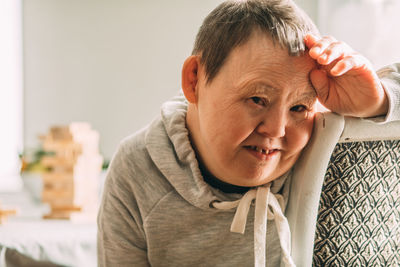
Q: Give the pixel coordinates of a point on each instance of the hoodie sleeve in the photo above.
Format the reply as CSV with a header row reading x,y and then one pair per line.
x,y
120,239
390,79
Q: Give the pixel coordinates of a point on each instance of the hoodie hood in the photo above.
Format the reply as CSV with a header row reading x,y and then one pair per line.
x,y
183,173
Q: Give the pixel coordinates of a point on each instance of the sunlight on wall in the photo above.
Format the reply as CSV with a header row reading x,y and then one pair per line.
x,y
10,93
369,26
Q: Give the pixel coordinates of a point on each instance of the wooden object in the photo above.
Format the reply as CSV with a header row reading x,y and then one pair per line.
x,y
70,186
4,213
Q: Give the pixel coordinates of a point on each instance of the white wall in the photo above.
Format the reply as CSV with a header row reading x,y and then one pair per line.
x,y
368,26
310,7
109,62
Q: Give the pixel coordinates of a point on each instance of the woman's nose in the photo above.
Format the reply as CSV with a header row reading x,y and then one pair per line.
x,y
273,124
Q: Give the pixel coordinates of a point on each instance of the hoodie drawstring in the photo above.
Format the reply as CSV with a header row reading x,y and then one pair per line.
x,y
267,206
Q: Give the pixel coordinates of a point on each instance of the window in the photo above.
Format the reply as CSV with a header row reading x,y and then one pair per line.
x,y
10,93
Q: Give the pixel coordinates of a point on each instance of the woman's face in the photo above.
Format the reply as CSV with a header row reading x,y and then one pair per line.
x,y
251,122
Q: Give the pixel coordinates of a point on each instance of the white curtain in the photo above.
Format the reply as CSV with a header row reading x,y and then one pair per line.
x,y
369,26
10,94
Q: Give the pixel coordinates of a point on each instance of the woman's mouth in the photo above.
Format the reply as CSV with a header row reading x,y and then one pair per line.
x,y
262,153
262,150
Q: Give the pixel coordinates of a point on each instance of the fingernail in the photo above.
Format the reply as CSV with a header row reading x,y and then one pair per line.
x,y
312,35
334,71
323,57
316,50
315,37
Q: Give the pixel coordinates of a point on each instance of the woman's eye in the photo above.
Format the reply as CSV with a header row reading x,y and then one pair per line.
x,y
299,108
258,100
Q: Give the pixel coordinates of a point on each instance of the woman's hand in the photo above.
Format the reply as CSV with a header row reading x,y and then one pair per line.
x,y
344,80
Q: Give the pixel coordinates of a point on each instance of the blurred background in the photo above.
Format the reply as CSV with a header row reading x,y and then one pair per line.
x,y
112,64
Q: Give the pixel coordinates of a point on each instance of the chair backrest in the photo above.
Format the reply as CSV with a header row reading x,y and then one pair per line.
x,y
352,215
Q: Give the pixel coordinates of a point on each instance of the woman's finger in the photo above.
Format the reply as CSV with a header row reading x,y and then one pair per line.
x,y
348,63
320,46
334,51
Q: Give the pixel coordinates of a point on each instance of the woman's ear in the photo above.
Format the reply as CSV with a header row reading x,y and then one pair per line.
x,y
190,78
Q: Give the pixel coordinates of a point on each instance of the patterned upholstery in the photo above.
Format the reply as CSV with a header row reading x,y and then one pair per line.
x,y
344,205
358,220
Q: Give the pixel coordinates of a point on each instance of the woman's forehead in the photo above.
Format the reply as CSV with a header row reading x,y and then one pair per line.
x,y
261,67
260,52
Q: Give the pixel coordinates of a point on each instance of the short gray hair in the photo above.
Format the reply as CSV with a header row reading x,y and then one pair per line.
x,y
232,23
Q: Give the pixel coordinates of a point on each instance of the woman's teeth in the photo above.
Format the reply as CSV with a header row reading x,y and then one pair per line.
x,y
260,150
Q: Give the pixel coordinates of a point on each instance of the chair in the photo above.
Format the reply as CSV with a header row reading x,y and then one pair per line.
x,y
344,206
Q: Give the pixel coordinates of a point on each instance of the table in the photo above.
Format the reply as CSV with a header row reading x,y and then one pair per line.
x,y
59,241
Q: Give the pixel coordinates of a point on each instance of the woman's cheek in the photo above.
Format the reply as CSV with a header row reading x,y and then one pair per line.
x,y
300,136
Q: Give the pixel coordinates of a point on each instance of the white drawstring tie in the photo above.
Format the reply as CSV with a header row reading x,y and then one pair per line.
x,y
268,206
